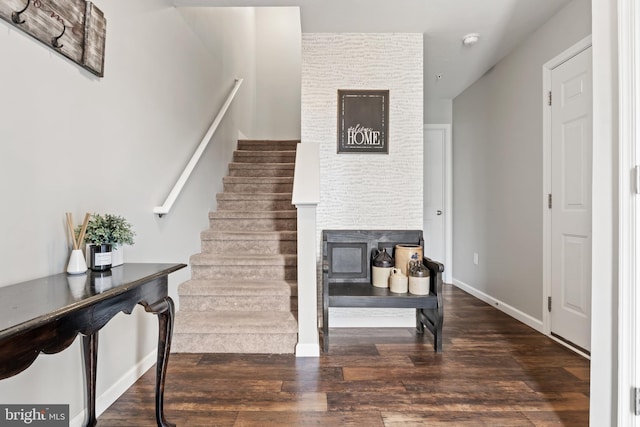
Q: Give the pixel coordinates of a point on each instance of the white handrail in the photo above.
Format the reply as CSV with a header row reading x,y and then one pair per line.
x,y
177,188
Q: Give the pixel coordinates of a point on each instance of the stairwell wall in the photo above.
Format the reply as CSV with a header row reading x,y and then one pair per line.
x,y
70,141
366,191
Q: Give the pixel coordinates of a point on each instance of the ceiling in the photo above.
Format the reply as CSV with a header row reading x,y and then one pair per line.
x,y
501,24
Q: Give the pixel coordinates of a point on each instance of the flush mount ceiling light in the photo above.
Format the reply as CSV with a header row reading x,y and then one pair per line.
x,y
470,39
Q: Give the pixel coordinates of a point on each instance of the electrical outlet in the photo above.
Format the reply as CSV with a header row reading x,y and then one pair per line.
x,y
475,258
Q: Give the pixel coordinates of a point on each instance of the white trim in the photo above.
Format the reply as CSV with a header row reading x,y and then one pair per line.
x,y
118,388
307,350
500,305
547,68
629,234
447,276
570,347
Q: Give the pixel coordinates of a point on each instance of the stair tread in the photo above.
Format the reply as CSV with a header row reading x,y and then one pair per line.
x,y
243,259
262,165
233,322
289,214
258,179
236,287
232,195
277,141
212,234
261,153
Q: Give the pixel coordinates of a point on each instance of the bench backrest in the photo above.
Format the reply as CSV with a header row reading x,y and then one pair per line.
x,y
347,254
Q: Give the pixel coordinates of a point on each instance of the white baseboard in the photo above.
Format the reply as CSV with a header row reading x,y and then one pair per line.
x,y
342,317
307,350
107,398
505,308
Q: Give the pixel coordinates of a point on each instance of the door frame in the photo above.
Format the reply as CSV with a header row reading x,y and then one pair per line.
x,y
448,198
547,69
629,210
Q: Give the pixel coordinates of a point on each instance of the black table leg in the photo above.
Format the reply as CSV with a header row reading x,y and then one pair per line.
x,y
165,311
90,356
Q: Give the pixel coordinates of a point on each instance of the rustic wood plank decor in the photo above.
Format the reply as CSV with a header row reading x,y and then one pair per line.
x,y
75,29
495,371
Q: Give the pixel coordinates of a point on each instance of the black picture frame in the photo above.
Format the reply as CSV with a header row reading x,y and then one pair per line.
x,y
363,121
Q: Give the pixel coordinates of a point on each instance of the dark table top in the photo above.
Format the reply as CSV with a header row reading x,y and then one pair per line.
x,y
28,304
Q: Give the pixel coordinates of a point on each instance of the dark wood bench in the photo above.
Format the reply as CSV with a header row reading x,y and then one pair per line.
x,y
346,278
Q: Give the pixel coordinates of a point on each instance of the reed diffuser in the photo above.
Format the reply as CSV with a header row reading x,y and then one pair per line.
x,y
77,264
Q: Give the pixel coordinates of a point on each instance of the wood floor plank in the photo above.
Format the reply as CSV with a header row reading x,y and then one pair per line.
x,y
331,385
457,419
559,418
494,371
294,419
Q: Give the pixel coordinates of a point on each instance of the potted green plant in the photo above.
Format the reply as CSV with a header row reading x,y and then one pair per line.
x,y
105,236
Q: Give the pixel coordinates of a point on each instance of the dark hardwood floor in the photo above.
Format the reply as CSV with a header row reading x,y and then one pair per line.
x,y
494,371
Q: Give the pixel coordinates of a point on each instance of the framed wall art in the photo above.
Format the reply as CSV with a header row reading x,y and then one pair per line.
x,y
363,121
75,29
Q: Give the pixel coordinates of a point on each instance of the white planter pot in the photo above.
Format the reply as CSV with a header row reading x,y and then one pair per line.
x,y
117,255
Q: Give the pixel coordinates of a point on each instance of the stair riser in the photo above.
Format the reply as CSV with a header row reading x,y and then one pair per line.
x,y
268,224
261,172
259,343
250,247
242,157
258,187
267,146
234,303
258,272
255,205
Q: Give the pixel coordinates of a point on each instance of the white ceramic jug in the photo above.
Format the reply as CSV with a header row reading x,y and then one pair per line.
x,y
398,282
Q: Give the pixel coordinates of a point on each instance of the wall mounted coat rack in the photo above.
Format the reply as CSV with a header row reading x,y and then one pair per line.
x,y
74,28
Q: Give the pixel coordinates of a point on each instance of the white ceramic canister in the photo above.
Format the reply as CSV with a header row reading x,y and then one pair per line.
x,y
381,269
418,278
404,253
398,282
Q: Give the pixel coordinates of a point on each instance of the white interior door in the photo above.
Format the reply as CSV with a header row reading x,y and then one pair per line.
x,y
571,171
437,195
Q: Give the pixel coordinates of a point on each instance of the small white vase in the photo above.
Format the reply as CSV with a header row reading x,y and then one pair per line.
x,y
77,263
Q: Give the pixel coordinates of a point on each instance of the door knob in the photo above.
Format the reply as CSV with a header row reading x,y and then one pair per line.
x,y
438,212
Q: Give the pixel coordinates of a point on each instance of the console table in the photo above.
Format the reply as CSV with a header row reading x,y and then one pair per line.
x,y
45,316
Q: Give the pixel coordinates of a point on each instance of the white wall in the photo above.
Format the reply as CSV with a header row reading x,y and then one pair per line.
x,y
72,142
278,56
497,182
365,191
438,111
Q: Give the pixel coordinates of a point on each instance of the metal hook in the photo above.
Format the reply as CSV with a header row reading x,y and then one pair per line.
x,y
54,40
15,16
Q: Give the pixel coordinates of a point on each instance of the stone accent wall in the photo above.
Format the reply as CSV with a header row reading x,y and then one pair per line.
x,y
366,191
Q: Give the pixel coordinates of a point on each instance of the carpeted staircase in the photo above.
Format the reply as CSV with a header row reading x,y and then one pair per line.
x,y
243,283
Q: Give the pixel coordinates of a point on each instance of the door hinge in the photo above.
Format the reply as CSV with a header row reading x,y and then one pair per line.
x,y
550,98
549,304
636,179
636,400
550,201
